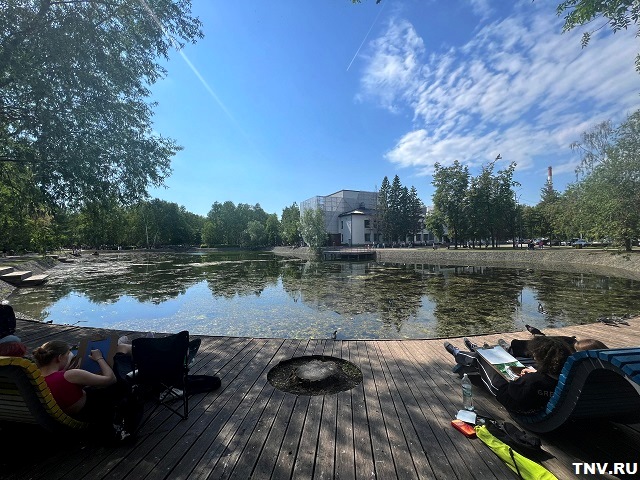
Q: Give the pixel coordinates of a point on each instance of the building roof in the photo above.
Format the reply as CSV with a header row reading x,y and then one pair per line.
x,y
358,211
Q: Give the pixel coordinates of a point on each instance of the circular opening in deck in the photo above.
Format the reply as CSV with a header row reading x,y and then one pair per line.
x,y
314,375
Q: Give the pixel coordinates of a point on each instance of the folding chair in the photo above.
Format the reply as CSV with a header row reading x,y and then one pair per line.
x,y
160,367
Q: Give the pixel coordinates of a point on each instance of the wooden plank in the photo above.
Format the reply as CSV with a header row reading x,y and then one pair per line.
x,y
250,454
307,449
399,430
326,453
288,452
267,459
363,452
383,466
234,447
195,449
248,430
432,458
344,445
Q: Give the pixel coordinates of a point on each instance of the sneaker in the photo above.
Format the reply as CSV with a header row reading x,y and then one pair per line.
x,y
503,344
171,394
451,349
470,345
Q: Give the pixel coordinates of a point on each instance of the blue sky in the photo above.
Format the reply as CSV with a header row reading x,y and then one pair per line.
x,y
285,100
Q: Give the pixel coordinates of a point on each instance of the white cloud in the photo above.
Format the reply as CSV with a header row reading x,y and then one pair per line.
x,y
518,87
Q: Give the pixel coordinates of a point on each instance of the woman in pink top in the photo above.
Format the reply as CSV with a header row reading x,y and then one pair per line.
x,y
81,394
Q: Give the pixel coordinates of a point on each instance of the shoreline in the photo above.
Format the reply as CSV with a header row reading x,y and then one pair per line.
x,y
600,262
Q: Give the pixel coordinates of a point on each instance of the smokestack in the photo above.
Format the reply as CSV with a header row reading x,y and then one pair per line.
x,y
549,176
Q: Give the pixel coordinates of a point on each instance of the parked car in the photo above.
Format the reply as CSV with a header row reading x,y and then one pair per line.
x,y
579,243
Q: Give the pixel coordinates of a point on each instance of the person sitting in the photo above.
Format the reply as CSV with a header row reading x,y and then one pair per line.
x,y
10,343
86,396
534,387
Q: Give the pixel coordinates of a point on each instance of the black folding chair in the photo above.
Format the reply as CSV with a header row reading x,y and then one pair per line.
x,y
160,368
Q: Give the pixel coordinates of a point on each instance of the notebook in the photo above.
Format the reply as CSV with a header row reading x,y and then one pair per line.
x,y
501,360
82,359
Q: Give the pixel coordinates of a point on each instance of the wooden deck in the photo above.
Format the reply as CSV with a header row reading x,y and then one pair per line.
x,y
396,424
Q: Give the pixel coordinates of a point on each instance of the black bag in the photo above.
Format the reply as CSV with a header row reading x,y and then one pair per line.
x,y
202,383
521,441
7,320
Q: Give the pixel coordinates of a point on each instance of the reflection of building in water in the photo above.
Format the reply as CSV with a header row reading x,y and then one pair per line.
x,y
351,218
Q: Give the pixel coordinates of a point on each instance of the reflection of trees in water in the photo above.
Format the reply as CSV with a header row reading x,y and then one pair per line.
x,y
468,301
575,298
349,289
247,277
457,300
156,278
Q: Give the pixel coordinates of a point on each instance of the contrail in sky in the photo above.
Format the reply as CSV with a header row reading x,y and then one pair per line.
x,y
365,37
176,45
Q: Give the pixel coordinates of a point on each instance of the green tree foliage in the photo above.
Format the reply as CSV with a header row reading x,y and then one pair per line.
x,y
548,210
449,198
20,205
619,14
272,230
384,216
228,224
256,235
605,201
399,210
290,225
74,78
313,228
475,208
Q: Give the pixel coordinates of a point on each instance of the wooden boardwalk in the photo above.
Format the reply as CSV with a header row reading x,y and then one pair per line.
x,y
396,424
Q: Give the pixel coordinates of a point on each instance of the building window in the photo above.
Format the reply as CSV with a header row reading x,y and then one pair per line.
x,y
341,225
367,237
367,223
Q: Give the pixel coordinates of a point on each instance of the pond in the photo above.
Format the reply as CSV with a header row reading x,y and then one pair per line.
x,y
259,294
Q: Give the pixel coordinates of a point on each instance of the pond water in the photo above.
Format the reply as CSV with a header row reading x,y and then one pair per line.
x,y
259,294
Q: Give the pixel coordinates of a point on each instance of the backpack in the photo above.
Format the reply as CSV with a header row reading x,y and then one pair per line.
x,y
7,320
517,439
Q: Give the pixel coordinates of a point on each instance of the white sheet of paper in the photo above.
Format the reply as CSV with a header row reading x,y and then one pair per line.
x,y
496,355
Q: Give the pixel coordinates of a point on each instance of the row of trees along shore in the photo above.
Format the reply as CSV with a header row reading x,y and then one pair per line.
x,y
602,204
78,152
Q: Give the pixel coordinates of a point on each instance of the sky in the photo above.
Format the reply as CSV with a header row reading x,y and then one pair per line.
x,y
282,101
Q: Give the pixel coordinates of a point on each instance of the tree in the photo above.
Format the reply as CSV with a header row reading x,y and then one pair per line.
x,y
450,197
255,233
313,228
272,229
383,214
548,210
619,14
290,225
74,79
605,201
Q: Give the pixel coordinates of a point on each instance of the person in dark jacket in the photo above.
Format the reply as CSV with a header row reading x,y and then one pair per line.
x,y
534,387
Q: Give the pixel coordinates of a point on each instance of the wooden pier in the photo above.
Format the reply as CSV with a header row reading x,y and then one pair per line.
x,y
394,425
351,254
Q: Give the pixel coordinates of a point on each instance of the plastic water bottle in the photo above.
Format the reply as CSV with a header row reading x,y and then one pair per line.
x,y
467,393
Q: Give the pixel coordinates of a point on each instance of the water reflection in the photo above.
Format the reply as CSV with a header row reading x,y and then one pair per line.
x,y
263,295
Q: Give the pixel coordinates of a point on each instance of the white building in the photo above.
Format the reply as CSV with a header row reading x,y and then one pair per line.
x,y
339,224
350,218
